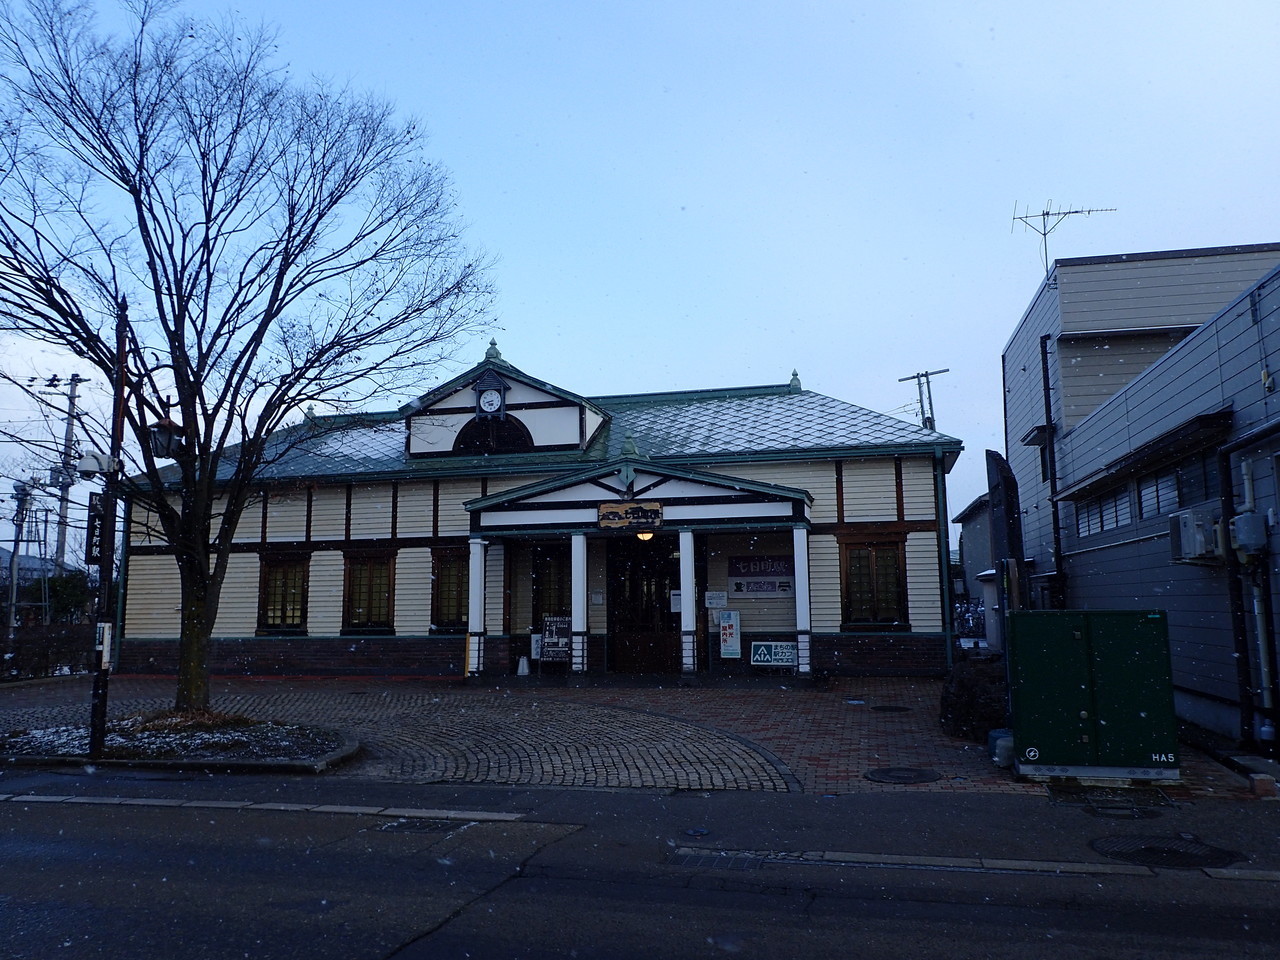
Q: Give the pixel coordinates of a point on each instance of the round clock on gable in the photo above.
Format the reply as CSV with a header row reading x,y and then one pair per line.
x,y
490,401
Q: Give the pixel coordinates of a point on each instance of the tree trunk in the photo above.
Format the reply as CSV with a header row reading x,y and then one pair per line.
x,y
198,612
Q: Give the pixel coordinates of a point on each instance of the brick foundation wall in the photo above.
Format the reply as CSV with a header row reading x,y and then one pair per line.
x,y
879,654
313,656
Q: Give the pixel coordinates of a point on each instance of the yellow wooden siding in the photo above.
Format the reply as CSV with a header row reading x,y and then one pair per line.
x,y
824,584
494,587
329,513
413,510
924,601
287,516
816,476
918,500
324,594
454,520
151,605
238,606
249,530
144,527
870,491
371,512
757,614
413,591
521,592
597,587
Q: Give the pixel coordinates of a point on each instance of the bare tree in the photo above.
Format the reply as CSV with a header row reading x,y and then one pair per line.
x,y
277,243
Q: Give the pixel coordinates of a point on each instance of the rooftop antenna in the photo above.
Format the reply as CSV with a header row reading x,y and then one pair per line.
x,y
1049,219
926,393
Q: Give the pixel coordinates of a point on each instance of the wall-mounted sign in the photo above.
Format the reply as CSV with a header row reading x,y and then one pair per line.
x,y
621,516
770,653
730,635
557,639
713,599
762,576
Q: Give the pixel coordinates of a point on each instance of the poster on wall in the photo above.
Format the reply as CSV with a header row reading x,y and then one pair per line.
x,y
730,635
557,639
761,576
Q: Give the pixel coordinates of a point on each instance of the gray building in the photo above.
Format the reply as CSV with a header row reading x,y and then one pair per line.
x,y
1139,413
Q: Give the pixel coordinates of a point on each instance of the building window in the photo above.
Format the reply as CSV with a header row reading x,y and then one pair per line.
x,y
1107,512
282,594
875,586
368,597
1157,494
450,579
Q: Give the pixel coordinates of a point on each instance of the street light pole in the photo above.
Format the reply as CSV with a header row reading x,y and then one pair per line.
x,y
106,562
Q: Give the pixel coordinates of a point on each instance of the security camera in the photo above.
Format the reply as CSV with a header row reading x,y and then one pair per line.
x,y
92,464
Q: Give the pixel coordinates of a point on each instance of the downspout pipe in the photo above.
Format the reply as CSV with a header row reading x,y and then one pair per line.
x,y
1235,585
1057,588
944,552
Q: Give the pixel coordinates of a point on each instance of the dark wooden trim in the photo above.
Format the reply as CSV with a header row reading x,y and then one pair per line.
x,y
311,497
839,491
347,519
266,501
395,507
898,488
873,528
316,546
435,508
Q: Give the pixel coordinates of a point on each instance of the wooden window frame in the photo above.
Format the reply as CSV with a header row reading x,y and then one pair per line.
x,y
440,556
368,625
878,547
270,566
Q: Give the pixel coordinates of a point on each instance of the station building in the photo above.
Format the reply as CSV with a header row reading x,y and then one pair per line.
x,y
501,523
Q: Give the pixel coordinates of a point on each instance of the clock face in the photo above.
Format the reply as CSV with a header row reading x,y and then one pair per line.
x,y
490,401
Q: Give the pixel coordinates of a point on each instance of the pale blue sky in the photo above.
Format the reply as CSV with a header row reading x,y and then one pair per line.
x,y
697,194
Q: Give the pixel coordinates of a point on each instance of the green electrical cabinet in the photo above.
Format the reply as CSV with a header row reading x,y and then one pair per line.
x,y
1092,695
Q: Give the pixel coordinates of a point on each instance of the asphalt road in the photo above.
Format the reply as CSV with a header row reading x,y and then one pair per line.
x,y
145,865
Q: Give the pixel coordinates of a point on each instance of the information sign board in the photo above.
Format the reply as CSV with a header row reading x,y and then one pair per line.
x,y
771,653
557,639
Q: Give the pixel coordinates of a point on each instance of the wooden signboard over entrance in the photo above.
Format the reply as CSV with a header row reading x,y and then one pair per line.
x,y
622,516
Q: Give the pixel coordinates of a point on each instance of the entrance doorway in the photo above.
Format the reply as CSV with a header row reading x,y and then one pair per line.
x,y
644,635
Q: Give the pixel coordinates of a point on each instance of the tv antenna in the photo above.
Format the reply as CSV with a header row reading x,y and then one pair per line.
x,y
926,394
1049,220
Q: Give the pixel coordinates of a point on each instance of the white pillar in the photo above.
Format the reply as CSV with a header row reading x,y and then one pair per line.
x,y
688,606
800,543
578,600
475,609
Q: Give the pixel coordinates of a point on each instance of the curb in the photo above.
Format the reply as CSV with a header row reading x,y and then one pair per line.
x,y
348,749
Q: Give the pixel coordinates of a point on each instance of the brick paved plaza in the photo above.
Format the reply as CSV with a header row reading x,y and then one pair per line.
x,y
780,737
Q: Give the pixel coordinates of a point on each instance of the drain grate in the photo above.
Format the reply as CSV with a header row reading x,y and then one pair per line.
x,y
1112,803
418,826
717,861
1183,852
902,775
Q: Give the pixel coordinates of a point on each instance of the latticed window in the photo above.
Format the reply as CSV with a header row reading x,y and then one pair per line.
x,y
368,601
875,579
282,595
450,581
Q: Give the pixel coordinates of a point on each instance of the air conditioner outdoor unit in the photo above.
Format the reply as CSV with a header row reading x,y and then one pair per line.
x,y
1192,536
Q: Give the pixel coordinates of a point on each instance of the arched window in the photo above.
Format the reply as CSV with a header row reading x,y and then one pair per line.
x,y
505,435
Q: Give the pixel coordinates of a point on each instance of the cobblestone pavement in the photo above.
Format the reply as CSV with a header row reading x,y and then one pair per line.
x,y
821,740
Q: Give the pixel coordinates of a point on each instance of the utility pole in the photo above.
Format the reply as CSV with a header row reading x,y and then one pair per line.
x,y
925,389
21,497
64,475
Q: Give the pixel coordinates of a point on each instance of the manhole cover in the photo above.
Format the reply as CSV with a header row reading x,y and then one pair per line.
x,y
903,775
891,708
1184,852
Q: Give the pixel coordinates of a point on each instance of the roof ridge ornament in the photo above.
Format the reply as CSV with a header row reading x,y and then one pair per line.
x,y
493,353
795,381
629,448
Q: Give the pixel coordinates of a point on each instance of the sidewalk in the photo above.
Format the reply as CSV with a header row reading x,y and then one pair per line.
x,y
778,738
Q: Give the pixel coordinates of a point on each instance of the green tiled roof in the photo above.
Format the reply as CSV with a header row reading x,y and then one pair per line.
x,y
736,424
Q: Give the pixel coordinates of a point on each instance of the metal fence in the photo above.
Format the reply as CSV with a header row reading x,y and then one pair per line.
x,y
48,651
